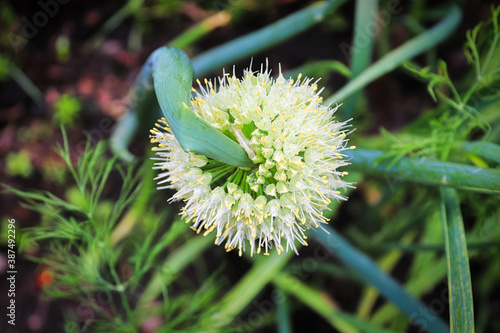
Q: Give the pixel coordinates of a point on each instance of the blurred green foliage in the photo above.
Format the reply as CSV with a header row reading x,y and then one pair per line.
x,y
67,109
63,48
18,164
4,67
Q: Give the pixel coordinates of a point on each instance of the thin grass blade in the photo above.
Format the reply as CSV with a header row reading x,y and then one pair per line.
x,y
459,280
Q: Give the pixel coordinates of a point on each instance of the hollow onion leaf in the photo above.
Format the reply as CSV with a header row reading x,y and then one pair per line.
x,y
172,77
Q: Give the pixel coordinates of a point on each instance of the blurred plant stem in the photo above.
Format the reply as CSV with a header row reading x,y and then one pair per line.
x,y
365,15
170,269
428,172
323,305
386,263
264,38
263,270
284,323
396,57
484,149
124,227
201,29
130,7
26,84
369,272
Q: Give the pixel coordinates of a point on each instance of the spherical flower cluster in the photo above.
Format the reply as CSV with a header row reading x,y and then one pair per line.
x,y
296,146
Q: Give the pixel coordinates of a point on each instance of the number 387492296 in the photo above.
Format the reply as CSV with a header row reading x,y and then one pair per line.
x,y
11,237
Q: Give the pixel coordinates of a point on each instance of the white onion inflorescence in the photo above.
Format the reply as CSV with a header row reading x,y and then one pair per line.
x,y
295,143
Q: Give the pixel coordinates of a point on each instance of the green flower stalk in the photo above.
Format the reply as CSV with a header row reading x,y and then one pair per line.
x,y
296,147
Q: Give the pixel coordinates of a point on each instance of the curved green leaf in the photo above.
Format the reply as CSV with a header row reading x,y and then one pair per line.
x,y
172,77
